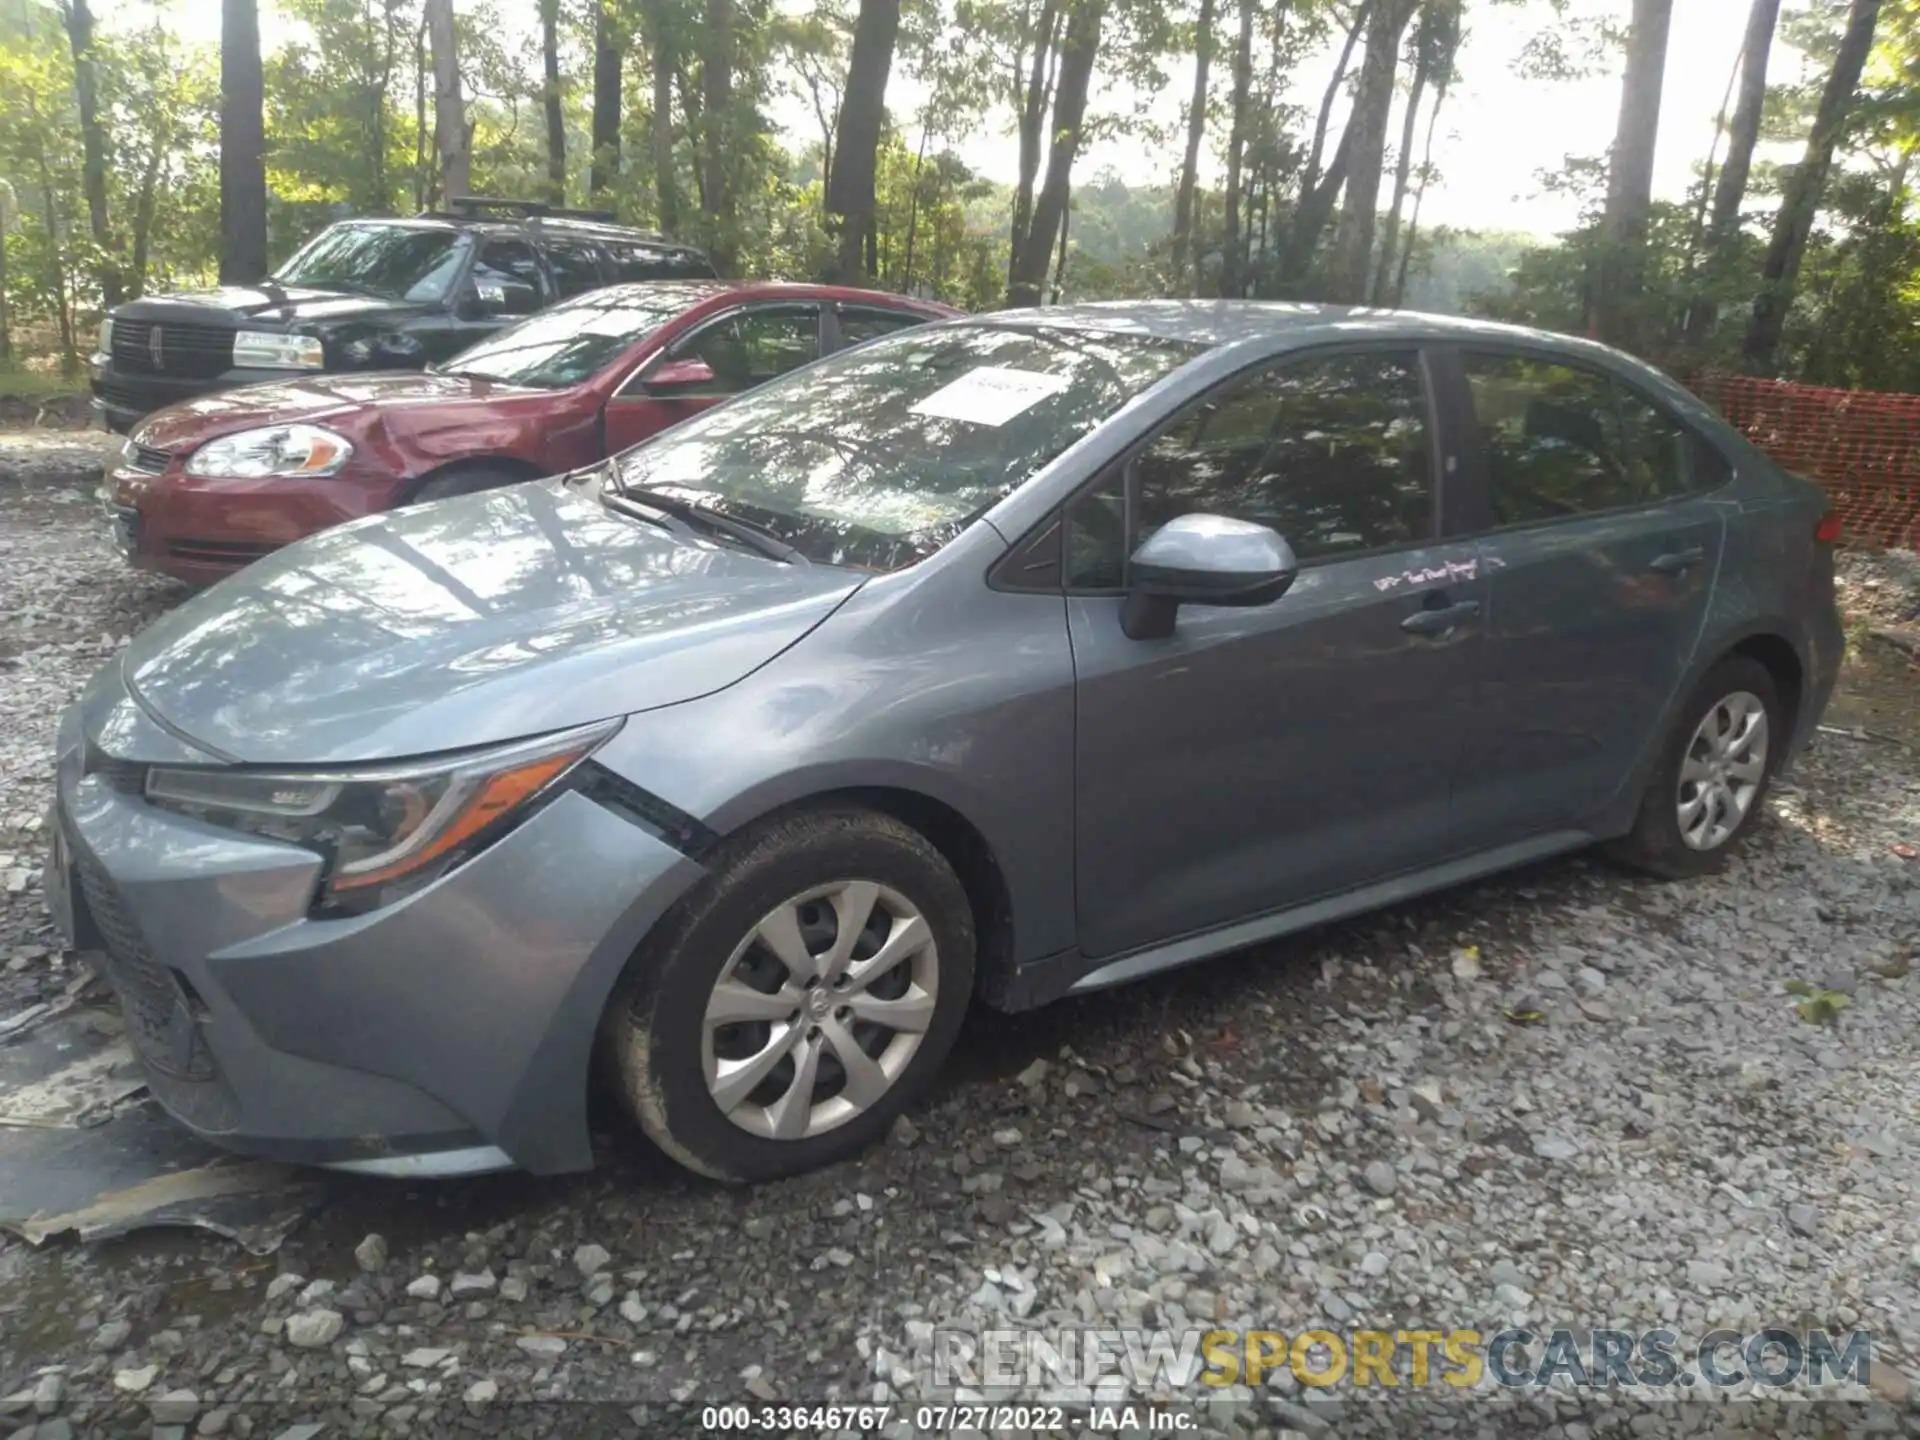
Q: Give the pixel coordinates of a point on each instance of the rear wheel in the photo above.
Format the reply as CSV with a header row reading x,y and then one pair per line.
x,y
798,999
1708,789
465,480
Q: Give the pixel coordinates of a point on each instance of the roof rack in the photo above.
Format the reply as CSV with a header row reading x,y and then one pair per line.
x,y
471,205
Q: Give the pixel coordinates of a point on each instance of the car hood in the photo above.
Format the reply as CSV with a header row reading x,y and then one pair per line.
x,y
474,620
341,401
262,307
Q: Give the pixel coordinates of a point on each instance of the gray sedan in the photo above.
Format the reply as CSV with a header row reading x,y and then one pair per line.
x,y
997,659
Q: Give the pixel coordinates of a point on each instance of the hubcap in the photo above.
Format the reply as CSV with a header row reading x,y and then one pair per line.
x,y
819,1009
1722,771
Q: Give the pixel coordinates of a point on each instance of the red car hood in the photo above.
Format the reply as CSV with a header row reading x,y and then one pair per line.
x,y
338,401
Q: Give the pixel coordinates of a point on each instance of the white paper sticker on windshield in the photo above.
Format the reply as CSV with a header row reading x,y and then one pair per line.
x,y
990,395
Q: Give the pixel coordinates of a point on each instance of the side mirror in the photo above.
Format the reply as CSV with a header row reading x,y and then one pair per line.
x,y
501,297
1202,560
688,373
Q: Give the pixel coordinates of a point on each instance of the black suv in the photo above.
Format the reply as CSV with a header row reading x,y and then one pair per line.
x,y
372,295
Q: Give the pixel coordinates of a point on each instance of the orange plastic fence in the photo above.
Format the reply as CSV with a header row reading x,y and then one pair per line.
x,y
1863,446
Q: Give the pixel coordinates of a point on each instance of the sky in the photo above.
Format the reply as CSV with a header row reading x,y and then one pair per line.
x,y
1497,133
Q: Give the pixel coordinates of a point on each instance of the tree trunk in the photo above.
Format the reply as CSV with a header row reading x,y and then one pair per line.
x,y
604,167
145,205
1402,174
1230,242
1315,209
93,146
1033,114
6,329
716,131
863,109
1078,51
1808,182
1190,163
1310,177
1060,265
1615,307
422,172
550,96
666,186
1367,148
913,198
449,110
1419,195
243,146
1721,241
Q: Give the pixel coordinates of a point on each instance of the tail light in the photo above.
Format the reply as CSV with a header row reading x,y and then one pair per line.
x,y
1827,532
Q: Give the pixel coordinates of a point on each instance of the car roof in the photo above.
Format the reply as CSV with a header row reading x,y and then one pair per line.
x,y
696,291
552,226
1215,323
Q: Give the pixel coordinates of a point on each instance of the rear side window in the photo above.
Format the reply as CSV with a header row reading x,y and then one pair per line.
x,y
859,325
1563,440
575,265
1552,438
1331,453
1670,458
644,262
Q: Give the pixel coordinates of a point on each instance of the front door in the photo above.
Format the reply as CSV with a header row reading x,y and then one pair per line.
x,y
1262,757
740,350
1601,542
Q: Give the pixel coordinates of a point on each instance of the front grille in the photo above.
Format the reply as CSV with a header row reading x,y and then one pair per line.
x,y
145,459
218,552
150,995
184,348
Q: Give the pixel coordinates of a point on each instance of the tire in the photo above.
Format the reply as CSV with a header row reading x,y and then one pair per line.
x,y
464,480
1659,843
689,1077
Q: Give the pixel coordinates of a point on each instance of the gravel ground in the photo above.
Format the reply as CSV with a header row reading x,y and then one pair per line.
x,y
1568,1097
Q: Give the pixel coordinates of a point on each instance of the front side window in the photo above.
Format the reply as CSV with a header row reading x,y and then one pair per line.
x,y
568,343
1331,453
753,346
388,262
510,262
1552,437
879,455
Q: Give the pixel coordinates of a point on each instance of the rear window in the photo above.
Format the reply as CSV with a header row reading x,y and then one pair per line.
x,y
568,343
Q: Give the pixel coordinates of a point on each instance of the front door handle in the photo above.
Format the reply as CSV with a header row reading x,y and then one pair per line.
x,y
1678,562
1440,620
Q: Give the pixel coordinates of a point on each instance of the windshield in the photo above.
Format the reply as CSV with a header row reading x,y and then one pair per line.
x,y
392,262
570,342
878,456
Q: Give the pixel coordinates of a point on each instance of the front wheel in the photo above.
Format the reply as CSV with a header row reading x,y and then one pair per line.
x,y
798,999
1707,791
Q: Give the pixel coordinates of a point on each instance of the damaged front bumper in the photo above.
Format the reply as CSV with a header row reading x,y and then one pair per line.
x,y
448,1033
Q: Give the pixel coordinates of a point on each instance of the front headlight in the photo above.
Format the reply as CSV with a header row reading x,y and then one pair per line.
x,y
276,450
384,832
278,352
105,343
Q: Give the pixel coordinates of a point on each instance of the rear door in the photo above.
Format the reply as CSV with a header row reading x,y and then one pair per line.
x,y
741,349
1262,757
1600,538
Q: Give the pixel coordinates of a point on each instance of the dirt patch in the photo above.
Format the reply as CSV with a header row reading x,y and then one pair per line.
x,y
1880,680
42,412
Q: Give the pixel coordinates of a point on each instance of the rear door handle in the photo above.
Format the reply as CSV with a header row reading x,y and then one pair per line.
x,y
1679,562
1439,621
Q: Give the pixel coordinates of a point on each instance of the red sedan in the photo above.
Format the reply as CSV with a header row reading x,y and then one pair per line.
x,y
208,485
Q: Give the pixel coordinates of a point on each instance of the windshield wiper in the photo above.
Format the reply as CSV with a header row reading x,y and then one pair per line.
x,y
701,517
